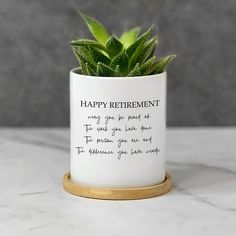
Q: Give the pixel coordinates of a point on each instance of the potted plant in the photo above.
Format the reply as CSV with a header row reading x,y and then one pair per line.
x,y
118,115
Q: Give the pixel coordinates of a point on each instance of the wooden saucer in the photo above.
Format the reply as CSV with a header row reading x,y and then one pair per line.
x,y
116,194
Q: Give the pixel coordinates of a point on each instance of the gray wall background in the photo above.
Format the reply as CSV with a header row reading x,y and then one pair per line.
x,y
35,57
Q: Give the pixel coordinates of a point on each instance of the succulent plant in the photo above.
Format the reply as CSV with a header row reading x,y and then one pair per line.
x,y
131,54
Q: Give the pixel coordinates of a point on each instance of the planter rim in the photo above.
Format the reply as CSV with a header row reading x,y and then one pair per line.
x,y
72,72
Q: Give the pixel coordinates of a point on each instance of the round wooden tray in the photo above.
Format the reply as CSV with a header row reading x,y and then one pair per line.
x,y
116,194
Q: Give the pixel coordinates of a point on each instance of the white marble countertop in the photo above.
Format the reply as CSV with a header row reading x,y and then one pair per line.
x,y
202,163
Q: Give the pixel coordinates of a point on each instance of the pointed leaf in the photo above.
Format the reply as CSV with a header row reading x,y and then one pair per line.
x,y
151,47
96,28
104,70
86,70
139,42
117,71
122,60
81,61
151,69
152,53
84,55
136,71
98,56
83,67
89,70
113,46
163,63
86,42
129,37
142,54
144,67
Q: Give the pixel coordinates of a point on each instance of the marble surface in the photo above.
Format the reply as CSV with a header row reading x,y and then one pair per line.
x,y
201,161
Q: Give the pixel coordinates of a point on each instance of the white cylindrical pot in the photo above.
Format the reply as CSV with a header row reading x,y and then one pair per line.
x,y
118,130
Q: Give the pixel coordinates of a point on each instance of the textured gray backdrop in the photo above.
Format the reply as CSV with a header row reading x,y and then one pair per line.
x,y
35,58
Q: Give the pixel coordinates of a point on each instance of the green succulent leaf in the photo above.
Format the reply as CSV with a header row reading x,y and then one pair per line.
x,y
122,60
144,52
96,28
151,69
138,44
81,61
150,48
86,42
113,46
104,70
162,63
129,37
117,71
98,55
147,65
84,56
130,55
136,71
152,53
89,70
86,69
83,66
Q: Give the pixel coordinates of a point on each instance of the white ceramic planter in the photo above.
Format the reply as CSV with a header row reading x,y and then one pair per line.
x,y
118,130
